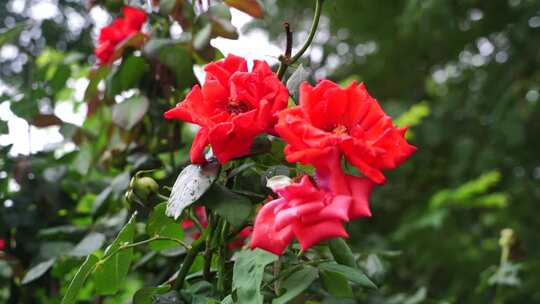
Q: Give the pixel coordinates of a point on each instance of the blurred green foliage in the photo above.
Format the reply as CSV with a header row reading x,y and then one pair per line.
x,y
463,74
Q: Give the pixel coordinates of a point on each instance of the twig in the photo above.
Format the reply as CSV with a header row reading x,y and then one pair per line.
x,y
286,59
288,45
132,245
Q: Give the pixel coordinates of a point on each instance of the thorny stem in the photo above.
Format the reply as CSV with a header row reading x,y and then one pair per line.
x,y
287,60
196,247
222,252
208,252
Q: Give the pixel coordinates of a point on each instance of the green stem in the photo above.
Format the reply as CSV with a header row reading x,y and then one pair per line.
x,y
163,197
196,247
286,62
132,245
222,267
208,252
141,172
221,271
281,69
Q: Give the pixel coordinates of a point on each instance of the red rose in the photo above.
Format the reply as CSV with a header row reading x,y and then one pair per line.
x,y
232,107
302,211
238,242
2,244
118,31
348,119
200,213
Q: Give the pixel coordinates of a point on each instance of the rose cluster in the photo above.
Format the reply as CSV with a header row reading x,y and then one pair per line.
x,y
330,125
234,105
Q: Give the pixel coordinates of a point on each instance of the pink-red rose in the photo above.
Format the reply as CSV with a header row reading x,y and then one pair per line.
x,y
240,239
308,213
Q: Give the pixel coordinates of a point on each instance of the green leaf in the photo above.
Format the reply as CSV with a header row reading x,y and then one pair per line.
x,y
11,34
336,284
227,300
159,224
342,252
58,80
26,107
78,281
467,194
84,158
261,144
374,267
146,295
54,249
6,272
296,284
100,199
166,6
60,231
413,116
90,243
293,83
220,17
37,271
110,275
352,274
202,38
170,297
127,76
190,185
4,129
130,111
418,297
95,77
235,208
176,56
248,274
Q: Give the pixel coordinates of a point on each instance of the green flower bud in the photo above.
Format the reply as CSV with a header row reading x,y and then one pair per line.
x,y
144,187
